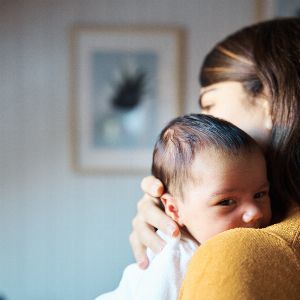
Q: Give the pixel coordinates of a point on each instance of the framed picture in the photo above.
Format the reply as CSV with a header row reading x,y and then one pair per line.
x,y
126,83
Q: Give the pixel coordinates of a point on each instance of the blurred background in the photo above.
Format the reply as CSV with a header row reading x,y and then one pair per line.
x,y
64,234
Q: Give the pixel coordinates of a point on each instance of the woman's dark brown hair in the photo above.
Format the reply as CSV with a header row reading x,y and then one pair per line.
x,y
265,58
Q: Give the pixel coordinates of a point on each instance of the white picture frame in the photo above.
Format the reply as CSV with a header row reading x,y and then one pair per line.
x,y
126,83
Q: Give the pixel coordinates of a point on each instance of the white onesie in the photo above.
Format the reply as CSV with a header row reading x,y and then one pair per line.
x,y
163,277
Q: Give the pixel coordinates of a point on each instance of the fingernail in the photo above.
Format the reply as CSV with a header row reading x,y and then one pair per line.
x,y
143,264
154,189
175,232
172,230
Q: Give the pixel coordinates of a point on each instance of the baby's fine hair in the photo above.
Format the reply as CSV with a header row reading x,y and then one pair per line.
x,y
184,136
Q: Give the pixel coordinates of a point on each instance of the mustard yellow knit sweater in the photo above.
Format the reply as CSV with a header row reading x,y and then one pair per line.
x,y
248,264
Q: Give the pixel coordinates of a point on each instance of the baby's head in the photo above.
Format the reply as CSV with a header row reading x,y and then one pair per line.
x,y
214,176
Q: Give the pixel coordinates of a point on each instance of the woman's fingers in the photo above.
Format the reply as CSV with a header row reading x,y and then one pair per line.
x,y
143,238
147,236
153,215
150,207
150,217
152,186
139,251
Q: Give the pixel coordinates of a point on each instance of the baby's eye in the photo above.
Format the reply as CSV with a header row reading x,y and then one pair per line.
x,y
260,195
226,202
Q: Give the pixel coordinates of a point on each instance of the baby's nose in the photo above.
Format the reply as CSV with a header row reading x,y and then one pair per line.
x,y
252,214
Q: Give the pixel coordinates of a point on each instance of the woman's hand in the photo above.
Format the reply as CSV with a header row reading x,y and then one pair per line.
x,y
149,217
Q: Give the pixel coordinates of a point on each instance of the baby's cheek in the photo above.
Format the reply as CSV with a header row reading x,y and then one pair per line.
x,y
212,230
223,226
231,224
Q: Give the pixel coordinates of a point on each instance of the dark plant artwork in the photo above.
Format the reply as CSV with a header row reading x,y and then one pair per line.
x,y
129,90
125,93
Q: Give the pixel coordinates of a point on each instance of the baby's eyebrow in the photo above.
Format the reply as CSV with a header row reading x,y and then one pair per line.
x,y
225,191
222,192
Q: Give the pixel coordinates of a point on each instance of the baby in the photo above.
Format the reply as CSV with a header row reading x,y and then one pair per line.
x,y
215,179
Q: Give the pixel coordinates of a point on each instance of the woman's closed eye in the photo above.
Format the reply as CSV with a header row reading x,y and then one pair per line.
x,y
206,109
206,104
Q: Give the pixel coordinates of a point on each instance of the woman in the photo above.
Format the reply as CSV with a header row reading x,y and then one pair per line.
x,y
252,79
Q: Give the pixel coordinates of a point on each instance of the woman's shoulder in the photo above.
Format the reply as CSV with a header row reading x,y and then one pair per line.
x,y
284,235
243,263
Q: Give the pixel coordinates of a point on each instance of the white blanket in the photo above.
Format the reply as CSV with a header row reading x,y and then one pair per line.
x,y
162,279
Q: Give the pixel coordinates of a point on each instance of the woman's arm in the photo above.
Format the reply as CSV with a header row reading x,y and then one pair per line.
x,y
150,217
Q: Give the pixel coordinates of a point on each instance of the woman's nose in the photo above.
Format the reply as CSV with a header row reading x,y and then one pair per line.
x,y
252,214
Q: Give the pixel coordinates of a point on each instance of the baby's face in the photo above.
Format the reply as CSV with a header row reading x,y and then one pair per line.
x,y
225,193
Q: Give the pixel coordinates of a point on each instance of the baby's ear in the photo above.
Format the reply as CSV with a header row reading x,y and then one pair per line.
x,y
171,207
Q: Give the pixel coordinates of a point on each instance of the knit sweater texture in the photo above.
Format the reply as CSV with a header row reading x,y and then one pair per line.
x,y
245,263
